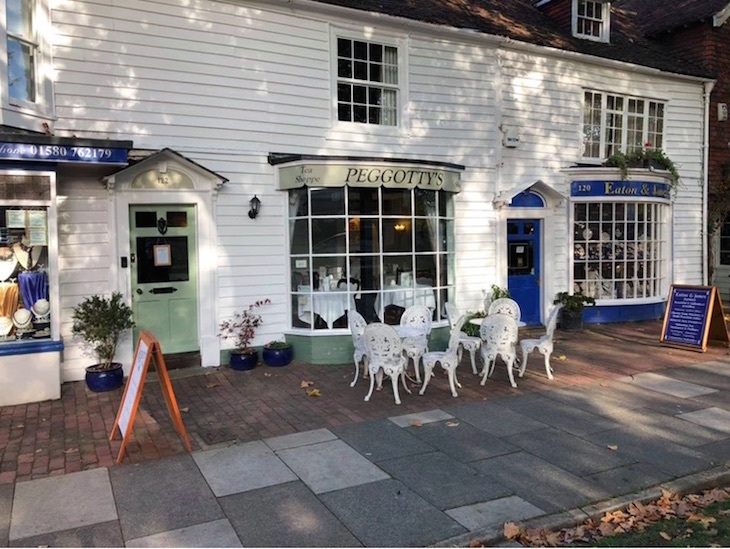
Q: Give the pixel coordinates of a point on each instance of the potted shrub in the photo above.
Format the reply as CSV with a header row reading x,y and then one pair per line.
x,y
242,329
278,353
101,321
571,315
654,159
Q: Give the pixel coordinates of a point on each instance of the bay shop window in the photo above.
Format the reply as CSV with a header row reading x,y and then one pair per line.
x,y
621,239
376,240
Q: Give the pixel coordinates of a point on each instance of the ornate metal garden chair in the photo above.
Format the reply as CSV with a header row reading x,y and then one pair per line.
x,y
449,359
499,338
505,306
357,329
385,356
544,344
466,342
416,316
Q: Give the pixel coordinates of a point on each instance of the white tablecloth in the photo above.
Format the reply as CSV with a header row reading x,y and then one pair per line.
x,y
406,297
329,305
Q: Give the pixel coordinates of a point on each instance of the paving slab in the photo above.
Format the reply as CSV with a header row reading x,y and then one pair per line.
x,y
667,385
299,439
62,502
663,453
495,513
559,415
330,466
420,417
704,377
6,505
162,495
389,514
443,481
720,399
719,367
539,482
381,439
462,441
104,534
218,533
629,478
286,515
640,397
596,399
714,418
569,452
718,452
242,467
495,419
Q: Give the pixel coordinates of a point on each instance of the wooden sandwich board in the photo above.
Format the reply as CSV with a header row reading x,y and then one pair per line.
x,y
148,348
693,317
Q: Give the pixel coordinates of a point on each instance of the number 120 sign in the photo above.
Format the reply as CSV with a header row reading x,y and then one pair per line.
x,y
63,153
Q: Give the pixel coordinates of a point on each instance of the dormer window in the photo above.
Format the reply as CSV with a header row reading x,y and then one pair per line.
x,y
591,19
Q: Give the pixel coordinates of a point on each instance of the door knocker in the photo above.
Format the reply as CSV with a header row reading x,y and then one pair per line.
x,y
162,225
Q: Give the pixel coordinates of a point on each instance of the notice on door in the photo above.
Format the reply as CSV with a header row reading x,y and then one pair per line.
x,y
694,316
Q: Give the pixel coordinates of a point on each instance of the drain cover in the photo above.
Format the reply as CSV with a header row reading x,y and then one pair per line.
x,y
216,436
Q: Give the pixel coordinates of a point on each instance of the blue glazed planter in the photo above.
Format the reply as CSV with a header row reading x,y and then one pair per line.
x,y
100,381
278,357
243,361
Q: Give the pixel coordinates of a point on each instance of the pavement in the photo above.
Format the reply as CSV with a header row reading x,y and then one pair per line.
x,y
274,465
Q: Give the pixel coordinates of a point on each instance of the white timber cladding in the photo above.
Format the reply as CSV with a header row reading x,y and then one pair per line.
x,y
226,83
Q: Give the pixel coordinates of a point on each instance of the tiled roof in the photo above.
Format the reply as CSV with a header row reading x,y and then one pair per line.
x,y
656,18
521,20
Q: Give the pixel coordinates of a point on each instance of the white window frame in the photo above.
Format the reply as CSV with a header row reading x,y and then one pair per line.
x,y
402,87
659,270
650,137
604,22
19,113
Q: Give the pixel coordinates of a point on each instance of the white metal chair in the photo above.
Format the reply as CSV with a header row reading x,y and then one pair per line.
x,y
499,338
505,306
385,356
357,328
466,342
416,316
449,359
544,344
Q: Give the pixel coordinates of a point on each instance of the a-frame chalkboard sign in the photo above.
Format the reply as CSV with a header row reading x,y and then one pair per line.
x,y
148,348
693,317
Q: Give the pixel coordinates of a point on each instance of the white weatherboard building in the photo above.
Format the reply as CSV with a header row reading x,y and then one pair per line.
x,y
395,160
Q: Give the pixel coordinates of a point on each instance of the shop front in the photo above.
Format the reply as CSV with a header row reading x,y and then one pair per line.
x,y
368,234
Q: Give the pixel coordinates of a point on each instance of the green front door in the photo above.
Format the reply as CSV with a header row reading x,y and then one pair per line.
x,y
164,274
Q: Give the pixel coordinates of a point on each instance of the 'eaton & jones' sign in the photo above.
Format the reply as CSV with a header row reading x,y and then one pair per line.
x,y
628,189
62,153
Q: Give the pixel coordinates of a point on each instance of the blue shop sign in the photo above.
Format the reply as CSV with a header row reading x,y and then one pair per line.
x,y
63,153
621,189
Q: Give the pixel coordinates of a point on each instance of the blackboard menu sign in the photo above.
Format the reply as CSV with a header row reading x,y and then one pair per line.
x,y
693,316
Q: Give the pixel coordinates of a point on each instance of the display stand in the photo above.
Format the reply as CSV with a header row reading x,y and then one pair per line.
x,y
147,348
694,316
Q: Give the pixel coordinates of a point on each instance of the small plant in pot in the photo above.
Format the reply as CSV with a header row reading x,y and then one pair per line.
x,y
102,321
571,315
242,329
278,353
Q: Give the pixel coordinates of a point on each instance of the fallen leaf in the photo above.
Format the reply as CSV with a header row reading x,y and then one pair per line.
x,y
305,384
211,385
314,393
267,374
451,424
185,410
70,450
19,426
562,357
476,543
612,447
416,423
39,450
665,536
511,530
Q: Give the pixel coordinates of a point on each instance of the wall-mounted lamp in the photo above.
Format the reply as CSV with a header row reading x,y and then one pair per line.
x,y
255,206
400,227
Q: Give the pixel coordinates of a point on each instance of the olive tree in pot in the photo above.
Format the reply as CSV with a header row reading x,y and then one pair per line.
x,y
241,328
101,321
571,315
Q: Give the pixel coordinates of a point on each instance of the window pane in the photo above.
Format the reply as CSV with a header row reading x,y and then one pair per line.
x,y
425,202
426,235
396,202
344,47
446,228
366,268
176,219
328,201
21,80
362,200
20,18
364,236
299,236
397,235
426,270
148,273
298,202
328,236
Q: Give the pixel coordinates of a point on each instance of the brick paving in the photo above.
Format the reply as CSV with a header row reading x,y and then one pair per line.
x,y
222,405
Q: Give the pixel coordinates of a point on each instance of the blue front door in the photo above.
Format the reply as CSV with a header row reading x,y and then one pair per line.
x,y
523,266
